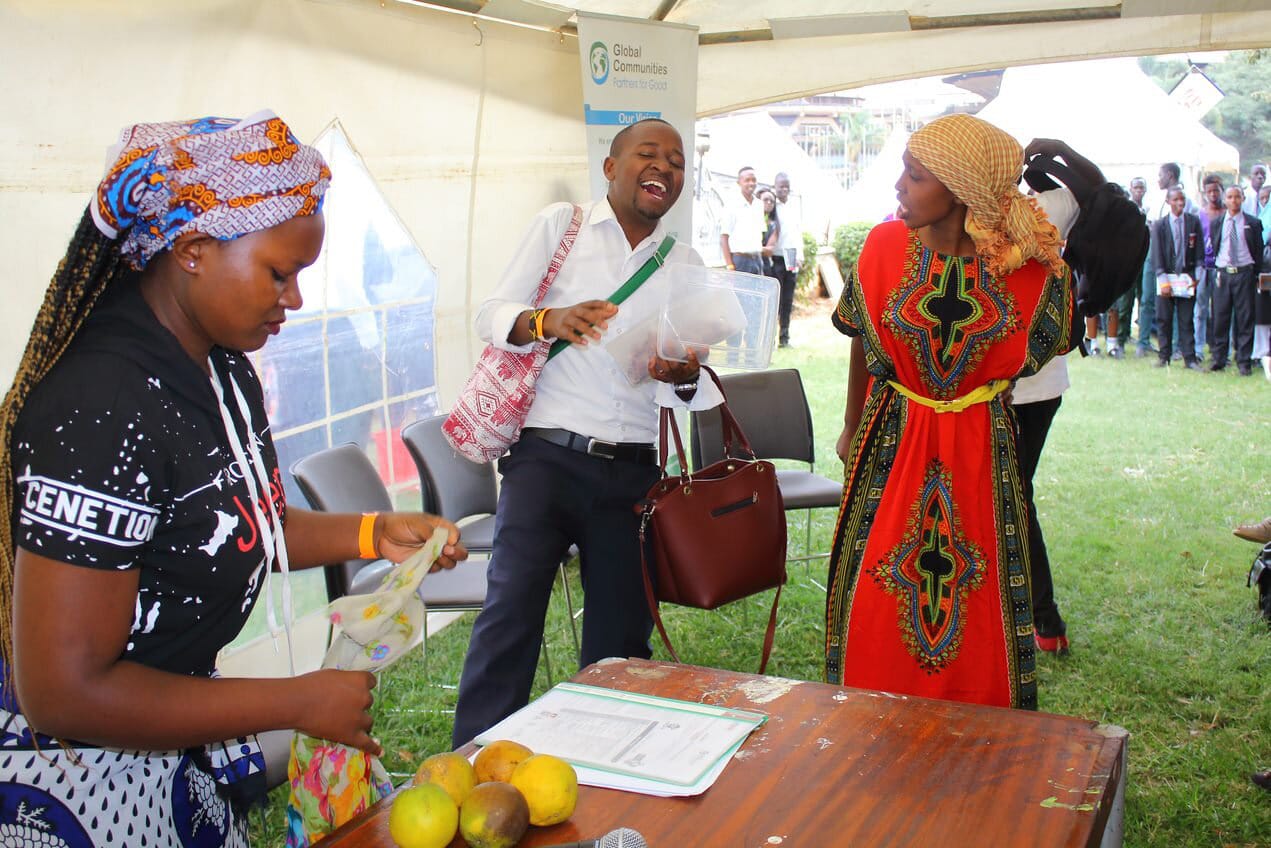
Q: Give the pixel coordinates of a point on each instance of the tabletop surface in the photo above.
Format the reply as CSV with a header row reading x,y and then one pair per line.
x,y
840,766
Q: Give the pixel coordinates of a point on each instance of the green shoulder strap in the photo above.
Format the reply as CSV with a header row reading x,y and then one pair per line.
x,y
628,288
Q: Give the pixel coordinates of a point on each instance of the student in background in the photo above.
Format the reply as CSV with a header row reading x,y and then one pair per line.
x,y
789,252
1178,252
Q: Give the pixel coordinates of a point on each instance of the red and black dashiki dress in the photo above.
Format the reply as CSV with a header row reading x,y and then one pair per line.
x,y
928,582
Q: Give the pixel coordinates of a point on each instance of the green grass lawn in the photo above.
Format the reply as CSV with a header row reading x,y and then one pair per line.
x,y
1144,473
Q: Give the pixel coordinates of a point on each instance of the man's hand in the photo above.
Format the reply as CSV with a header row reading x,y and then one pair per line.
x,y
1055,148
670,371
581,323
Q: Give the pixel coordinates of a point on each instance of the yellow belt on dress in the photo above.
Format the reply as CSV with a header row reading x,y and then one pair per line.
x,y
983,394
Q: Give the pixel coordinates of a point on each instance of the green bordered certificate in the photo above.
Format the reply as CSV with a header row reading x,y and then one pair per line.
x,y
644,736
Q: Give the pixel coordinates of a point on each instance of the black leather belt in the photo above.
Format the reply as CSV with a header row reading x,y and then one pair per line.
x,y
643,453
1232,269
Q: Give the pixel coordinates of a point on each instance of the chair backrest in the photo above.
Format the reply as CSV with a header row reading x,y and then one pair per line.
x,y
452,487
341,479
771,408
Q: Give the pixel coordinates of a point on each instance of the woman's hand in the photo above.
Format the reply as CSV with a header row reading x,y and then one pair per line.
x,y
400,534
843,447
336,705
581,323
670,371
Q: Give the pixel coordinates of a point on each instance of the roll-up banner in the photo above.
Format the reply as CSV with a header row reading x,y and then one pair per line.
x,y
634,69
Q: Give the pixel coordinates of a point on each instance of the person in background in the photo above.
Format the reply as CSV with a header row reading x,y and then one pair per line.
x,y
1254,202
1262,302
1238,250
1147,289
771,231
928,590
742,226
787,257
1178,249
144,507
1211,207
1035,401
1168,177
586,455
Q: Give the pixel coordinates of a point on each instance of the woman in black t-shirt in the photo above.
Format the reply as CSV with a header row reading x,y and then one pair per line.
x,y
145,503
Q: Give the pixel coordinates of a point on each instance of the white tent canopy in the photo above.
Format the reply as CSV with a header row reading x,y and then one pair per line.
x,y
470,125
1113,114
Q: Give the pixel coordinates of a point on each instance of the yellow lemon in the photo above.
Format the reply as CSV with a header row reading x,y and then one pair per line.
x,y
495,761
494,816
550,787
423,816
451,771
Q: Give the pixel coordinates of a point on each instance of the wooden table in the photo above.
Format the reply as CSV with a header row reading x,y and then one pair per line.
x,y
835,766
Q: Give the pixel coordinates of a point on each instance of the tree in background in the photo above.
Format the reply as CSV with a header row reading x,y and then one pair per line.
x,y
1243,117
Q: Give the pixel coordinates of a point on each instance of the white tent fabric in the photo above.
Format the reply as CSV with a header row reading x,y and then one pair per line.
x,y
1113,114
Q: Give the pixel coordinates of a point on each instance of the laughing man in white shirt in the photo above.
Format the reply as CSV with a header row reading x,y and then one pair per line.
x,y
587,454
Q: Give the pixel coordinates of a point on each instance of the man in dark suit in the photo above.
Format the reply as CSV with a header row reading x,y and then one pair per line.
x,y
1178,249
1237,238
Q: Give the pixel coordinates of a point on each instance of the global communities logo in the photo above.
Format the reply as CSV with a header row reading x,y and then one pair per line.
x,y
599,63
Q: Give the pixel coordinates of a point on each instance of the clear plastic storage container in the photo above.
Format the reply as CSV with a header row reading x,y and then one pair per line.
x,y
729,319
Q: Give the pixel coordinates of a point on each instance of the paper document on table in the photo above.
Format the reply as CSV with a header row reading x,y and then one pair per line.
x,y
625,733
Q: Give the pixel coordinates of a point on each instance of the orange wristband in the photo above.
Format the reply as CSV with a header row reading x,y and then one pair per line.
x,y
366,536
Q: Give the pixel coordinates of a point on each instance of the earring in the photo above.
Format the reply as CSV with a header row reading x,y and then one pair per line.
x,y
191,264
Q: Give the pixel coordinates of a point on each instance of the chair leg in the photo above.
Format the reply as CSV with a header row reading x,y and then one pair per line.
x,y
807,541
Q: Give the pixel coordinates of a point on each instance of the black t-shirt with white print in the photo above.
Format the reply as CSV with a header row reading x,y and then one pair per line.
x,y
121,461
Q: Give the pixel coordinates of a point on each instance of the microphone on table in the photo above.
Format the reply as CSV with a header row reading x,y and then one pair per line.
x,y
623,837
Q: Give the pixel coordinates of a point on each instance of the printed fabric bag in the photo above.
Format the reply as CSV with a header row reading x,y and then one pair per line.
x,y
716,535
492,406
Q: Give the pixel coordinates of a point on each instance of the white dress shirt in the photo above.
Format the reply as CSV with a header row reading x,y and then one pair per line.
x,y
790,240
583,389
743,223
1052,380
1251,204
1232,252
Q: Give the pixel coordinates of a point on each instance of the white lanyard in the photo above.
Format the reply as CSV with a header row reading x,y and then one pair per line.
x,y
270,527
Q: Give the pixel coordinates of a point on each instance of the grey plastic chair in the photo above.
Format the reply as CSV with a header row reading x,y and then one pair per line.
x,y
772,409
457,489
342,479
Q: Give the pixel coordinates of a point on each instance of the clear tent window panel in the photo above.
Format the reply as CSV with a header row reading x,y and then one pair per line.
x,y
356,362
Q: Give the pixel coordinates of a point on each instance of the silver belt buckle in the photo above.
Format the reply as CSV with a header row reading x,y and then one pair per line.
x,y
604,450
1232,269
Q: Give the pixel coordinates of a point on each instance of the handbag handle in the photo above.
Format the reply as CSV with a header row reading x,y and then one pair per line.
x,y
728,424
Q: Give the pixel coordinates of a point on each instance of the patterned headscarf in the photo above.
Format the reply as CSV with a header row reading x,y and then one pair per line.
x,y
222,177
981,165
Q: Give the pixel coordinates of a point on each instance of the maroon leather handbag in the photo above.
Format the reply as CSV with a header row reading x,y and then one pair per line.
x,y
715,535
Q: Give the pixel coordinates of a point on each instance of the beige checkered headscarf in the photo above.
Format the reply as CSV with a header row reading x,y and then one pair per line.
x,y
981,165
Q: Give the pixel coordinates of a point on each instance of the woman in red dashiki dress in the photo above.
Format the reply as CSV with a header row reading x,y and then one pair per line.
x,y
928,591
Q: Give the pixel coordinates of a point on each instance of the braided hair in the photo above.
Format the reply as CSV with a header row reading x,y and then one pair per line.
x,y
91,265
